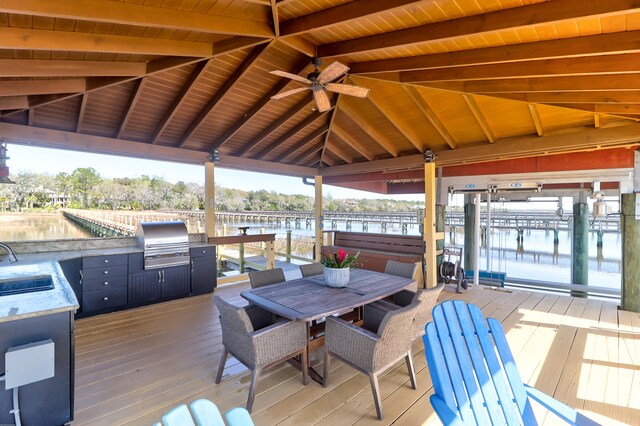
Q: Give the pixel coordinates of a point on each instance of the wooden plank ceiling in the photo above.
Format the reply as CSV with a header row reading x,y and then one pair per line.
x,y
472,81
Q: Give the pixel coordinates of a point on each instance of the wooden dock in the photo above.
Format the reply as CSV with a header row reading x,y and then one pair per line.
x,y
133,366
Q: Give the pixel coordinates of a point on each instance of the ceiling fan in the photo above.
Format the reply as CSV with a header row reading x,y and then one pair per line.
x,y
321,81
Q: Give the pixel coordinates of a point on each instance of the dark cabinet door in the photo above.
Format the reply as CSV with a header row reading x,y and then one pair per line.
x,y
145,286
203,274
71,269
175,282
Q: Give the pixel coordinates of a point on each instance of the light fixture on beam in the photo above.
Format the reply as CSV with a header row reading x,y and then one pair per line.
x,y
215,156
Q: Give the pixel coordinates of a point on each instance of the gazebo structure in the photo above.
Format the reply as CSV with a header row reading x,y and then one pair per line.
x,y
470,88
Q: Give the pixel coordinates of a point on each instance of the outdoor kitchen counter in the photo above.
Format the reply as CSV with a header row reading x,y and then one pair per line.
x,y
61,255
27,305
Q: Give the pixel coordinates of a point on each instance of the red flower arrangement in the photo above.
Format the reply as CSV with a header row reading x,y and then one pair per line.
x,y
341,259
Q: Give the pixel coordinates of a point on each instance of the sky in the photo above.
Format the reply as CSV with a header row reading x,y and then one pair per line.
x,y
54,161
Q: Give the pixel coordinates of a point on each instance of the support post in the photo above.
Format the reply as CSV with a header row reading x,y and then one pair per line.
x,y
210,200
476,248
580,246
469,241
630,300
431,272
271,254
318,224
441,212
487,235
288,246
241,257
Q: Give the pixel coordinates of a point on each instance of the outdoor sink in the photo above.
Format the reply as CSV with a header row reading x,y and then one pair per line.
x,y
21,285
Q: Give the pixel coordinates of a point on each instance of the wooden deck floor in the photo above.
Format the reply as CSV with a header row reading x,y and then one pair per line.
x,y
133,366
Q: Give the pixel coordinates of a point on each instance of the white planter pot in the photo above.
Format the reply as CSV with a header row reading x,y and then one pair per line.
x,y
336,277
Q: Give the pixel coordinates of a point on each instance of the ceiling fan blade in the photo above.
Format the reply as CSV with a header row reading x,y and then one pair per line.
x,y
348,89
290,92
331,72
294,77
322,100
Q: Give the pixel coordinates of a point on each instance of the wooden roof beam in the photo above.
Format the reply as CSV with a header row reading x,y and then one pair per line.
x,y
257,140
339,133
588,83
257,107
338,151
480,117
314,150
131,104
506,19
302,144
601,44
177,102
61,68
537,122
393,116
42,87
138,15
363,123
633,109
223,91
588,97
587,65
433,118
340,14
290,134
83,107
332,117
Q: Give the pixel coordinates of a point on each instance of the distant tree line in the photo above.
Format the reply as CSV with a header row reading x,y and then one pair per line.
x,y
85,188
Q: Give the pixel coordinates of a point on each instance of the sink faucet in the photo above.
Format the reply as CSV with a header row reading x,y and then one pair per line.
x,y
12,255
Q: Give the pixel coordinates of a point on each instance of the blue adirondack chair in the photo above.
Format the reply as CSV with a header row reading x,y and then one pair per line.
x,y
475,378
205,413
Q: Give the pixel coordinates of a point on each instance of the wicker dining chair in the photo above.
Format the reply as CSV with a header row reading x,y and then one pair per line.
x,y
374,312
401,269
247,335
311,269
369,352
266,277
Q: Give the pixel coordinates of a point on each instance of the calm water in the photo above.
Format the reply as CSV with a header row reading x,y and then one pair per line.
x,y
34,226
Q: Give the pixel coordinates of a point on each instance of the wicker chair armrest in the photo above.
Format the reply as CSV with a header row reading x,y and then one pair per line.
x,y
403,298
350,342
276,341
260,318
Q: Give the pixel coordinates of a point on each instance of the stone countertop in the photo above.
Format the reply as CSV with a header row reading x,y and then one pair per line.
x,y
19,306
61,255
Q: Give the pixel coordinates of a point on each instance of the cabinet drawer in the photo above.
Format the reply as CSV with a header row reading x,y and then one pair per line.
x,y
101,261
105,271
104,282
98,300
203,251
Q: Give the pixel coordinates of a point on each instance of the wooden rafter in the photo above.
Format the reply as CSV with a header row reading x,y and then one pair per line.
x,y
587,65
290,134
30,114
587,97
344,136
83,107
42,87
480,117
223,91
370,129
61,68
340,14
332,117
160,65
587,83
430,115
506,19
394,117
300,44
137,15
131,104
257,107
257,140
194,77
275,17
602,44
537,122
338,150
596,121
310,152
301,144
619,109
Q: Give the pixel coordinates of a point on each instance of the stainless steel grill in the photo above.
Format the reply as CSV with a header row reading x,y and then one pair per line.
x,y
164,243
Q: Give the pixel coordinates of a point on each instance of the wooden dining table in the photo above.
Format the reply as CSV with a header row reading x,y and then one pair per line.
x,y
309,299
